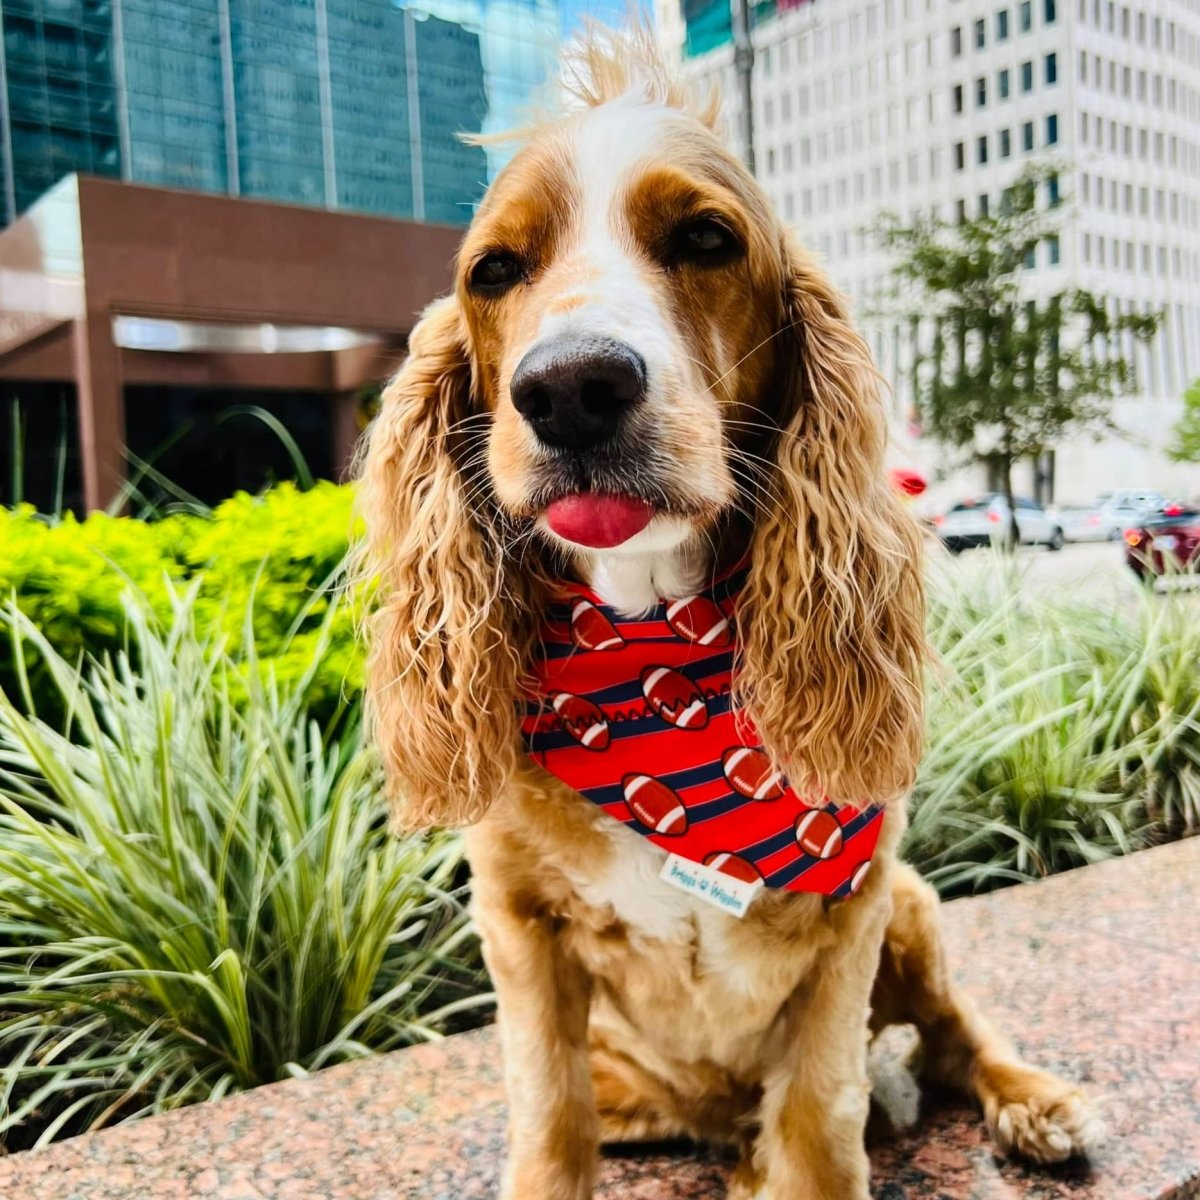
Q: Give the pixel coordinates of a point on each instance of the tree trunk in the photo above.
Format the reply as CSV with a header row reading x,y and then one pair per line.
x,y
1012,534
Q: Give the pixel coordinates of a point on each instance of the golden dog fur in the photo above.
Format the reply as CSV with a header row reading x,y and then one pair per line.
x,y
626,1010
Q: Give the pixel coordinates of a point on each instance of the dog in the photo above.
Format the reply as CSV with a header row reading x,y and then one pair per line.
x,y
640,389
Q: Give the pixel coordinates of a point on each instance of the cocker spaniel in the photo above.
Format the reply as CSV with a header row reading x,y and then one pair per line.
x,y
650,623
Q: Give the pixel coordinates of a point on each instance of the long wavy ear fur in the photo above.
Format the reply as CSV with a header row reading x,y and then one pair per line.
x,y
444,659
832,616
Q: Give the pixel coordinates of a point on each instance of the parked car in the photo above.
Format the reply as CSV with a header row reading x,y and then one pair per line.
x,y
985,520
1166,543
1145,499
1128,507
1086,523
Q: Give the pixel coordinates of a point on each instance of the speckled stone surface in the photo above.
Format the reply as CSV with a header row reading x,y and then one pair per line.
x,y
1096,974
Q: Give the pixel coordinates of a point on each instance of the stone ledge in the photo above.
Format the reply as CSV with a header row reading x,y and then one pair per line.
x,y
1095,973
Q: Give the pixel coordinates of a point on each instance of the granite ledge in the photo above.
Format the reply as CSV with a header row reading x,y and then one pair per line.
x,y
1095,973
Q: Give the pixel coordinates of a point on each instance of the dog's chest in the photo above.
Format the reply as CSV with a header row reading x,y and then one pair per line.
x,y
661,949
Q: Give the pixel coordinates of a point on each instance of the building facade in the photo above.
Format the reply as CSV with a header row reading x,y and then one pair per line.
x,y
935,106
340,104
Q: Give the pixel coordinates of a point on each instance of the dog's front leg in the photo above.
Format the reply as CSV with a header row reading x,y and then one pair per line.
x,y
816,1100
553,1129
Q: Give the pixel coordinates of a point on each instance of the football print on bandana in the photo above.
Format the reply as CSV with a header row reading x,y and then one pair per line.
x,y
675,698
592,630
637,716
655,805
751,773
699,619
582,720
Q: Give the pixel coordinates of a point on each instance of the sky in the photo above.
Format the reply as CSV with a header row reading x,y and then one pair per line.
x,y
611,12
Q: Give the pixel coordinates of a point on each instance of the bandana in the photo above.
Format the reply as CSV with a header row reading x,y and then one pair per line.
x,y
637,716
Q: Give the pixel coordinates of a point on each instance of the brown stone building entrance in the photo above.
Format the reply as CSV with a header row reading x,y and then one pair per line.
x,y
127,293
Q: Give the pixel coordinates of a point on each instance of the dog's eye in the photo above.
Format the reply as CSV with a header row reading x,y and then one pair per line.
x,y
705,241
495,272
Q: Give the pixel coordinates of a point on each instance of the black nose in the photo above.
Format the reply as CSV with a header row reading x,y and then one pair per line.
x,y
574,390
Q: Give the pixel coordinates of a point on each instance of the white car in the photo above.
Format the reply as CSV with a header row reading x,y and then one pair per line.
x,y
984,521
1087,523
1128,507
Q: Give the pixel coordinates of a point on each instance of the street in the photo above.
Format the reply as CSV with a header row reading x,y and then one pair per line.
x,y
1094,572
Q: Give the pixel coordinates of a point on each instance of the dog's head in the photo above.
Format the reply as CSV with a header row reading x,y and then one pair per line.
x,y
635,354
621,290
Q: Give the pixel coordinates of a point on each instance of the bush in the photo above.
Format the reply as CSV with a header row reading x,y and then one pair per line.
x,y
279,550
198,889
1058,734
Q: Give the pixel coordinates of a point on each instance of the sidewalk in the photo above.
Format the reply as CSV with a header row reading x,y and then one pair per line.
x,y
1095,973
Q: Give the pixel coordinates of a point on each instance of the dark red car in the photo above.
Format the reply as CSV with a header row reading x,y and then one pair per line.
x,y
1167,543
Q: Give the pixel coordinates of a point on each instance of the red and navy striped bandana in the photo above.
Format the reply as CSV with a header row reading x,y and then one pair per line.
x,y
636,715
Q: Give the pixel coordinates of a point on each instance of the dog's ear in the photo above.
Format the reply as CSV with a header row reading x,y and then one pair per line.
x,y
443,666
832,615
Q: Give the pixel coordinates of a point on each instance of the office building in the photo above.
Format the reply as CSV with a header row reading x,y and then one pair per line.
x,y
935,106
340,104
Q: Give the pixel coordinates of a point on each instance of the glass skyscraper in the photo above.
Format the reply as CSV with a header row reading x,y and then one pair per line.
x,y
346,104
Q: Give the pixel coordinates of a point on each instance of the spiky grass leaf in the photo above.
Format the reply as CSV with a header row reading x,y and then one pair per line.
x,y
199,891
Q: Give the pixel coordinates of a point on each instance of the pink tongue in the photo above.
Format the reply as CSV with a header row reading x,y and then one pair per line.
x,y
598,521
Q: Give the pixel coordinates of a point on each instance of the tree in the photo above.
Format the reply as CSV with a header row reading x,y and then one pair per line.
x,y
1187,428
1003,371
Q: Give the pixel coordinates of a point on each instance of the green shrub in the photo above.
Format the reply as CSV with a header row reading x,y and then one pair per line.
x,y
198,888
1058,733
282,549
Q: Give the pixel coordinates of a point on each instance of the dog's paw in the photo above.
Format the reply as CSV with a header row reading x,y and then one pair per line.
x,y
1041,1117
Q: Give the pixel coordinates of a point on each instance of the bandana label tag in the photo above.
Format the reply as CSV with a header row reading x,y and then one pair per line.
x,y
732,896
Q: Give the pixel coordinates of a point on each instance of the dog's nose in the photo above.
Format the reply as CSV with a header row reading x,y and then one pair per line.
x,y
574,390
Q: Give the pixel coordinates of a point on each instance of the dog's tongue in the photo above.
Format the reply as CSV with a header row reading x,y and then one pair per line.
x,y
599,521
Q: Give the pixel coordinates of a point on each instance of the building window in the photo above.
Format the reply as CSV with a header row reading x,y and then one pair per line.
x,y
982,152
1002,25
1026,15
980,34
960,155
960,211
983,205
1053,194
1053,251
981,92
1031,258
1027,136
1052,129
1051,12
956,98
1051,69
956,42
1087,247
1027,77
1005,144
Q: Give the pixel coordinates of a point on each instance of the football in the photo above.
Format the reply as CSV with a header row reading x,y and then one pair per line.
x,y
698,619
586,723
592,630
751,773
733,865
860,873
674,697
819,833
655,805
